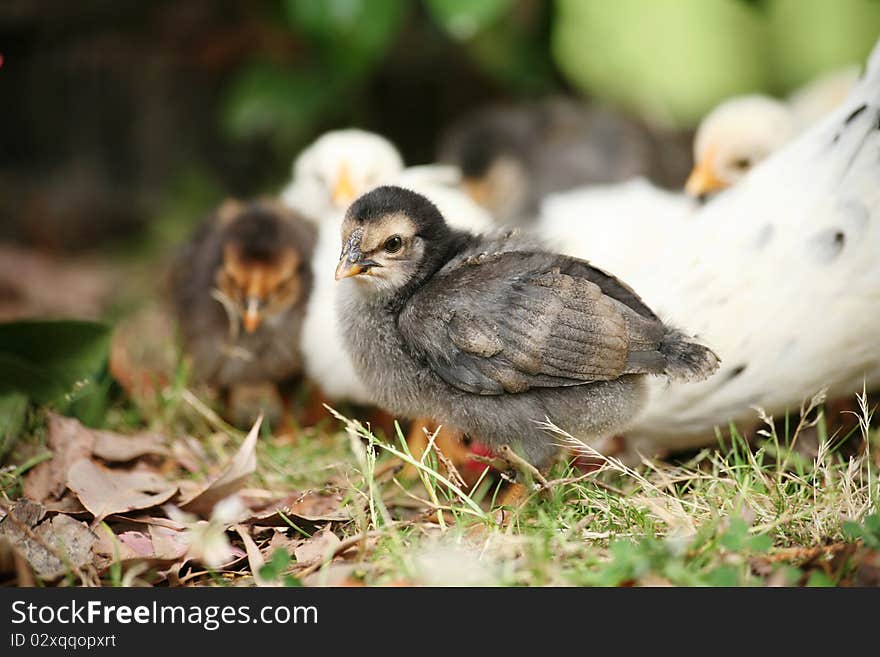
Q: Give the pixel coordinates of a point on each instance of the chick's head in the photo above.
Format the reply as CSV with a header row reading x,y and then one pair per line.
x,y
734,137
390,237
337,168
259,274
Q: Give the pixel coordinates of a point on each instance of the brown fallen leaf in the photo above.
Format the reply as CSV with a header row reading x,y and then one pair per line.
x,y
52,547
317,548
305,509
334,574
71,538
28,512
281,541
68,505
69,441
12,562
104,491
255,557
156,546
118,448
157,543
231,480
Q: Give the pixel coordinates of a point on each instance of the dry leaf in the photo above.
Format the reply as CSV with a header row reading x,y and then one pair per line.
x,y
139,543
104,491
231,480
68,505
167,543
12,562
118,448
69,441
28,513
317,548
334,574
304,509
156,544
70,538
281,541
255,557
61,536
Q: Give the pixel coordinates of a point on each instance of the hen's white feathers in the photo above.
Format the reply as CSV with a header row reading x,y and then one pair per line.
x,y
780,274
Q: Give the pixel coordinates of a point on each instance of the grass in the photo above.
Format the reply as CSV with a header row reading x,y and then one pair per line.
x,y
793,506
738,514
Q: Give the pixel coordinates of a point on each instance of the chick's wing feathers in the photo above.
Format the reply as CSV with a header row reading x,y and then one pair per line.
x,y
511,321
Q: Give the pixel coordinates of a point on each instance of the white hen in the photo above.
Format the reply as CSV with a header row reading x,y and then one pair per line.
x,y
780,275
365,162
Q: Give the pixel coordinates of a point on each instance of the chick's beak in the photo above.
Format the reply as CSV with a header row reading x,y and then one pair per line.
x,y
348,267
252,318
477,189
703,180
343,190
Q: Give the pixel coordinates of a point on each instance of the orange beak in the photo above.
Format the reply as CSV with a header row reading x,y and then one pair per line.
x,y
251,320
343,190
477,189
345,269
703,180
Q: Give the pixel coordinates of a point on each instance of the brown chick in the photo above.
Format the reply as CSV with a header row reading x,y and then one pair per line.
x,y
240,287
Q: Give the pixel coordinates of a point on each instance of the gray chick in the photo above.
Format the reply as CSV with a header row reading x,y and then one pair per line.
x,y
493,335
512,156
239,289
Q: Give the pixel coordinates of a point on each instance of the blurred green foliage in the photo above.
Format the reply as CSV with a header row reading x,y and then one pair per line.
x,y
669,60
339,44
59,363
811,36
673,60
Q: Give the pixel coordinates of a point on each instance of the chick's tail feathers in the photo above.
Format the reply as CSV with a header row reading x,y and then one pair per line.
x,y
687,360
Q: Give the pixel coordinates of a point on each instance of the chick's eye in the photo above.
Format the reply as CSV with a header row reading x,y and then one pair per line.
x,y
393,244
742,163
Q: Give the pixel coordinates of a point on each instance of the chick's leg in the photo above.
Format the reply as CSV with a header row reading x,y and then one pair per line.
x,y
525,478
447,442
313,410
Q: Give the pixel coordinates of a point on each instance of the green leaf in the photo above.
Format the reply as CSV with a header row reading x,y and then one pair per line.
x,y
351,34
735,537
463,19
515,52
280,560
291,581
723,576
818,578
760,543
269,100
48,361
276,565
268,572
13,411
869,531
